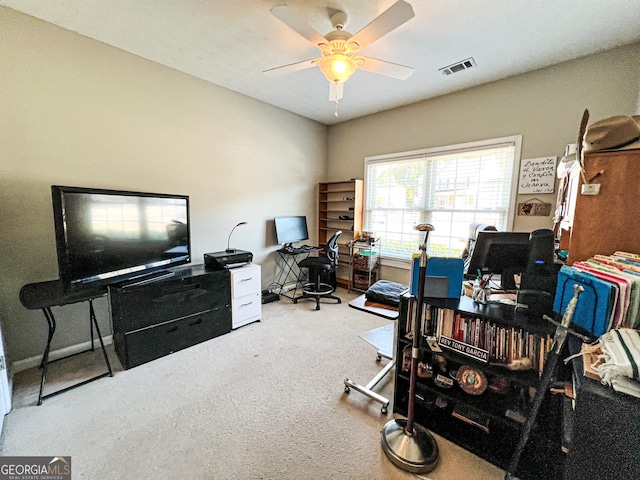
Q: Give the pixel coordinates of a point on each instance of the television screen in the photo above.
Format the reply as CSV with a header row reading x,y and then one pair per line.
x,y
108,235
291,229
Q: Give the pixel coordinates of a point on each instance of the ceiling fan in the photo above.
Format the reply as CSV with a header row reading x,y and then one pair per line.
x,y
339,48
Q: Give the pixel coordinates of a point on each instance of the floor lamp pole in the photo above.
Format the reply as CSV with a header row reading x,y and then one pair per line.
x,y
407,444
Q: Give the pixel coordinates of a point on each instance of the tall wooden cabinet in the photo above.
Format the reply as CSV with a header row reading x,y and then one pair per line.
x,y
606,222
340,208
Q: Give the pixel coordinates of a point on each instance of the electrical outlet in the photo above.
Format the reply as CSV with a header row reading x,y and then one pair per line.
x,y
590,189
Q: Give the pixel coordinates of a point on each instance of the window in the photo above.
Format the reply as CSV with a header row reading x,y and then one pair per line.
x,y
448,187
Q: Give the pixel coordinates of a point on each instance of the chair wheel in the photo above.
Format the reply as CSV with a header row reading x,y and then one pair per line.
x,y
347,389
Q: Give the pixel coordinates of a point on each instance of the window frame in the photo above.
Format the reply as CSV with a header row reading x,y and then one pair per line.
x,y
516,140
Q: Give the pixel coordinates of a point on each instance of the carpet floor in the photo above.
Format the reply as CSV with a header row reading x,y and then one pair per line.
x,y
265,401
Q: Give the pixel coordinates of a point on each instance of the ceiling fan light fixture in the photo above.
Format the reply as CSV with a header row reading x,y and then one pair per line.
x,y
339,48
337,67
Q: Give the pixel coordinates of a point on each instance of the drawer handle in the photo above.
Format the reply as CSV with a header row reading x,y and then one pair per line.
x,y
195,322
246,279
246,304
172,329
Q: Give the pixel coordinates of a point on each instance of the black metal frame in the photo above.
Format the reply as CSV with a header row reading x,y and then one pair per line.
x,y
44,295
290,268
51,321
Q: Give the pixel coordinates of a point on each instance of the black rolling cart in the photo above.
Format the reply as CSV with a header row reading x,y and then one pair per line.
x,y
43,296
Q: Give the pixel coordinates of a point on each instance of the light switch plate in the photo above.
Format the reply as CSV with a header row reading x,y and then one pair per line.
x,y
590,189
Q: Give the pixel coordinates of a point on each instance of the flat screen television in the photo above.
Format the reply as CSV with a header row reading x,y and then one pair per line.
x,y
499,253
291,229
105,236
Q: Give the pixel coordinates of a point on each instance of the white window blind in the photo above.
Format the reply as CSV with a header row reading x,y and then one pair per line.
x,y
448,187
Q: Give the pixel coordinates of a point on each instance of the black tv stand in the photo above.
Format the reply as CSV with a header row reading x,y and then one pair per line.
x,y
154,319
146,278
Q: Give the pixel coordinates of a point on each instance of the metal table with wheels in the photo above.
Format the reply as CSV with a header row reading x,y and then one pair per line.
x,y
391,313
43,296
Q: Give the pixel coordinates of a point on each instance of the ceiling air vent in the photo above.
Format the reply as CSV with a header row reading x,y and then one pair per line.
x,y
458,66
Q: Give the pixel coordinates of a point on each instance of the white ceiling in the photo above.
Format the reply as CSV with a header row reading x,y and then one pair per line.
x,y
231,42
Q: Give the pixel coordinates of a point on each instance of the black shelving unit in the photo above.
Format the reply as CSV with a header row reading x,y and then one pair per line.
x,y
154,320
492,421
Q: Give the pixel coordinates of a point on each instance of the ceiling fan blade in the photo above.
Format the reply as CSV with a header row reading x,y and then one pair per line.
x,y
385,68
397,14
335,91
298,24
293,67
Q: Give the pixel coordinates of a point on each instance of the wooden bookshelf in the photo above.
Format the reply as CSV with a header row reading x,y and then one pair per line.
x,y
340,208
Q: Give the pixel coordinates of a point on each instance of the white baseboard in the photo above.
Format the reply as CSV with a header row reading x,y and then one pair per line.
x,y
288,287
284,289
25,364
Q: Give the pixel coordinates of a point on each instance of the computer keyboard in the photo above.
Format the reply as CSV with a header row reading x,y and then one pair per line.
x,y
301,249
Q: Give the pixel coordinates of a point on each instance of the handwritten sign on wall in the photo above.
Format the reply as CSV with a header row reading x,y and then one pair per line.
x,y
537,175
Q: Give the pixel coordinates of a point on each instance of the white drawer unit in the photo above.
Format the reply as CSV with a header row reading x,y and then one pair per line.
x,y
246,301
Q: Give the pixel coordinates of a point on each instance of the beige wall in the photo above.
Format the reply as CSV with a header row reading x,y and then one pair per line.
x,y
74,111
544,106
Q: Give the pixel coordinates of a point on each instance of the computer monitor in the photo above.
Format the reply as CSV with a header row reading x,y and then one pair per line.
x,y
291,229
499,253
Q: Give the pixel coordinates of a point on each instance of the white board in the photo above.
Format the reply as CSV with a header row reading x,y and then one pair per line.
x,y
537,175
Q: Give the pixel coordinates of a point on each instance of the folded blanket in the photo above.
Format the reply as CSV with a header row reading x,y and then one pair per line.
x,y
620,355
386,292
626,385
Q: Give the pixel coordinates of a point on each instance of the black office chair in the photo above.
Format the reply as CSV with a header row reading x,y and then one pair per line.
x,y
321,274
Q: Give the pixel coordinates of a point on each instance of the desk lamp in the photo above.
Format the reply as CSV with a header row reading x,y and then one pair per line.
x,y
233,250
409,445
